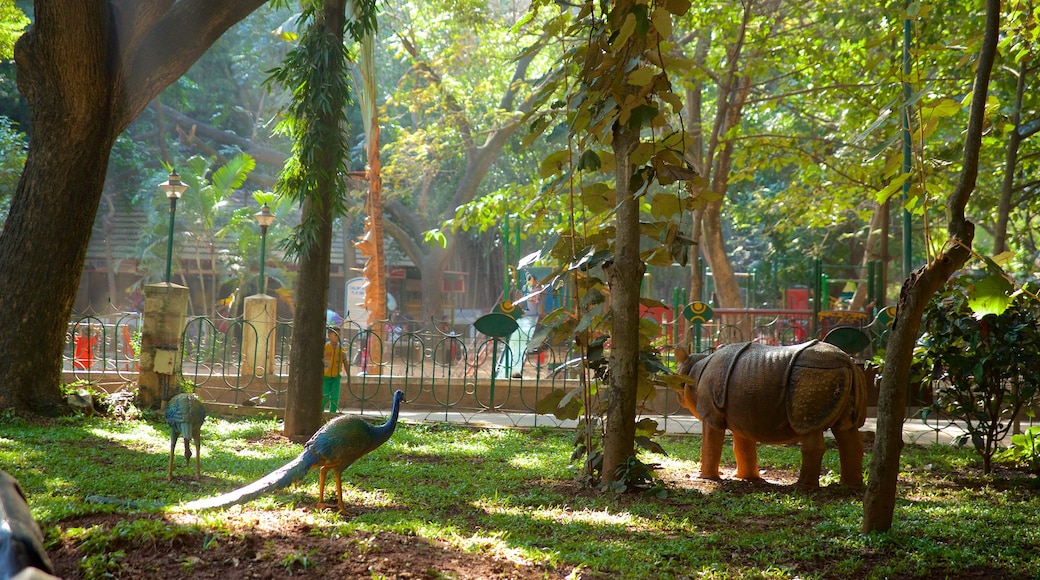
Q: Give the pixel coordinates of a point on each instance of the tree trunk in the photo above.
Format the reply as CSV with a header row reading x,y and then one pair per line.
x,y
375,268
432,260
306,367
42,249
696,269
110,260
1007,187
871,252
86,70
880,498
734,94
624,277
304,389
727,288
433,289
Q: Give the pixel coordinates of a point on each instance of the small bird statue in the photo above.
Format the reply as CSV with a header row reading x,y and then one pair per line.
x,y
335,446
185,415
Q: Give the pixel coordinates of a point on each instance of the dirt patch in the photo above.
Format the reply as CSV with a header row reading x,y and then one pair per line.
x,y
257,544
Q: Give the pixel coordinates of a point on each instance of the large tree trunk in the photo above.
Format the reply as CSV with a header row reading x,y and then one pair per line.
x,y
624,277
431,259
86,70
433,290
733,89
306,367
880,499
42,249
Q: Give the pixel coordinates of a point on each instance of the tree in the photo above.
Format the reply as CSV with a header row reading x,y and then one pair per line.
x,y
918,289
781,136
620,148
210,186
316,70
456,109
86,70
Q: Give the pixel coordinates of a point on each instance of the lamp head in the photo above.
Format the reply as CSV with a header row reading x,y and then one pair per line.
x,y
264,217
173,186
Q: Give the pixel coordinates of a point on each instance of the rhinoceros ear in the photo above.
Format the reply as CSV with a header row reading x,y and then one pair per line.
x,y
681,355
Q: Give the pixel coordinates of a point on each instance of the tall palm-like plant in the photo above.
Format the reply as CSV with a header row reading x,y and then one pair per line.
x,y
371,244
201,209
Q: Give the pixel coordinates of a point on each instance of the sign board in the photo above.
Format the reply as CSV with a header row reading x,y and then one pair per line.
x,y
354,301
698,312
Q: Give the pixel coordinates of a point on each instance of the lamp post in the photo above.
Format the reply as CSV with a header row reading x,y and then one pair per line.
x,y
265,218
174,188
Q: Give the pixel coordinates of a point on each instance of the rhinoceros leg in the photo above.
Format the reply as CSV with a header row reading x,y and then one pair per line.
x,y
711,451
746,452
812,459
850,452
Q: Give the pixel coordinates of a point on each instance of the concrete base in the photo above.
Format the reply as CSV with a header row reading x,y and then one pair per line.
x,y
258,344
165,308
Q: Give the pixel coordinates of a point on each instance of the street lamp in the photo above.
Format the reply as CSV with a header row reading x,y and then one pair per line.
x,y
265,218
174,188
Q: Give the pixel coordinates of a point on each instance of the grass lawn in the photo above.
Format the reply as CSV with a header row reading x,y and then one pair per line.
x,y
452,502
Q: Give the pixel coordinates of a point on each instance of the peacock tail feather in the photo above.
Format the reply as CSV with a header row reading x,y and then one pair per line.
x,y
280,478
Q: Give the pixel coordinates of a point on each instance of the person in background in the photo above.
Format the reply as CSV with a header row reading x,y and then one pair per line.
x,y
335,360
532,306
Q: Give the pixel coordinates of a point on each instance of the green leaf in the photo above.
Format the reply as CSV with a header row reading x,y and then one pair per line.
x,y
589,161
435,236
641,76
561,404
677,7
942,108
597,197
553,164
662,22
642,116
649,444
627,28
665,205
886,192
992,294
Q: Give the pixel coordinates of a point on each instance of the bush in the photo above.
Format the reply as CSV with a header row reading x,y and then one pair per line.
x,y
1025,449
984,366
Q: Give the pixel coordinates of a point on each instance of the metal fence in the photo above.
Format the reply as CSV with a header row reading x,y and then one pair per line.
x,y
442,369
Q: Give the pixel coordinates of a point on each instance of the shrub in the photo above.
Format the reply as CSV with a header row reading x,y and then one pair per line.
x,y
984,365
1025,449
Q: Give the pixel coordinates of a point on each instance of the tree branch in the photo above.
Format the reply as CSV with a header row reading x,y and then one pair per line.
x,y
259,152
161,43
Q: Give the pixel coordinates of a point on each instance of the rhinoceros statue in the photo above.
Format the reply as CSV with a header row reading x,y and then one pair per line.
x,y
778,394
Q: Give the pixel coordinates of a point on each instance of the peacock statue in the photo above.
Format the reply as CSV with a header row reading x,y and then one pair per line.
x,y
185,414
335,446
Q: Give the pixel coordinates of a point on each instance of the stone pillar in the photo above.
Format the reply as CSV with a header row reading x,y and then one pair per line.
x,y
165,309
258,344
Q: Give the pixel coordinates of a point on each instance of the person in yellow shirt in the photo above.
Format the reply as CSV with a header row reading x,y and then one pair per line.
x,y
334,361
